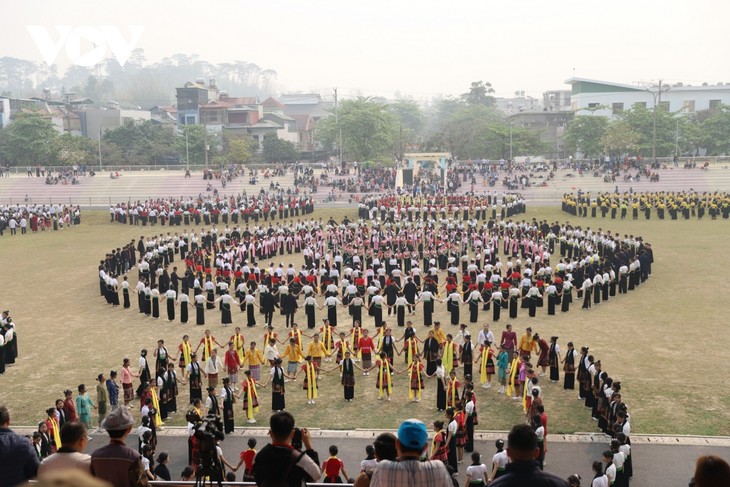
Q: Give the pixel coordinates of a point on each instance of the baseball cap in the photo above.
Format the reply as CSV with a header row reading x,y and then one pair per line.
x,y
412,434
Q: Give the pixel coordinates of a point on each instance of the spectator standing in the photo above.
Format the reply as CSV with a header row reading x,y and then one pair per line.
x,y
409,470
70,455
116,463
18,459
384,449
523,450
279,463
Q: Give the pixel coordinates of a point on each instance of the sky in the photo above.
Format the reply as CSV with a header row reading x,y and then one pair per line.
x,y
421,49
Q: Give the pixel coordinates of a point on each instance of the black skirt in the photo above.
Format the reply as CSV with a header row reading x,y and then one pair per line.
x,y
184,312
199,314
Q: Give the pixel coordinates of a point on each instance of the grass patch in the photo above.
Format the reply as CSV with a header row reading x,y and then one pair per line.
x,y
659,341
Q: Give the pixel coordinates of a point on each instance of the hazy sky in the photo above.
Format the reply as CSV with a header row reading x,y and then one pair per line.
x,y
422,48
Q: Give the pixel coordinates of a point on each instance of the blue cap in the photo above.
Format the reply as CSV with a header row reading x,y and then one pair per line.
x,y
412,434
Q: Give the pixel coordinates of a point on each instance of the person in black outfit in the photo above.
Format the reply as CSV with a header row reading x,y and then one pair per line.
x,y
523,470
280,462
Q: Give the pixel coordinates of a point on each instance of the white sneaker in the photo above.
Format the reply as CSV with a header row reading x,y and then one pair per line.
x,y
312,401
389,400
489,384
251,421
485,386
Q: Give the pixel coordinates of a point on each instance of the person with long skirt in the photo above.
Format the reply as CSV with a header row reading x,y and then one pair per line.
x,y
552,292
347,369
440,374
309,309
439,446
415,380
400,309
431,350
376,309
309,384
426,297
554,359
586,288
384,384
170,296
514,297
194,376
497,300
331,303
168,389
125,293
569,367
486,364
227,398
200,309
226,304
155,299
277,379
453,303
141,302
566,296
250,396
250,301
469,411
356,304
183,301
532,297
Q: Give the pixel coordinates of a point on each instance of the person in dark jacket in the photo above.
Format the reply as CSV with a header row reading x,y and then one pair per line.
x,y
281,462
523,471
18,459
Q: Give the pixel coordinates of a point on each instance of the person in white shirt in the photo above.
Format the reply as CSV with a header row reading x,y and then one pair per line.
x,y
610,467
600,479
212,368
476,472
499,461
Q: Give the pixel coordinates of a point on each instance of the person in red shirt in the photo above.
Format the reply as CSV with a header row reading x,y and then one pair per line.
x,y
247,460
332,466
365,347
233,362
509,341
69,406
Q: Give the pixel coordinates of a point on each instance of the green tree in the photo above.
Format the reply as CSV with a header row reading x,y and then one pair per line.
x,y
465,133
584,134
525,141
409,120
142,143
239,149
716,132
69,150
278,150
479,94
367,129
29,140
641,120
619,139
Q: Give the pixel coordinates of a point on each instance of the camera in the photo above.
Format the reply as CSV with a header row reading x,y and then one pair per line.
x,y
207,432
296,440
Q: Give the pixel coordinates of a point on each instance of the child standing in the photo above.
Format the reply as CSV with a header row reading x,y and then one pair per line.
x,y
332,467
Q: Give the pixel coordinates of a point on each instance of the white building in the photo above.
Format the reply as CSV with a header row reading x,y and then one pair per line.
x,y
611,99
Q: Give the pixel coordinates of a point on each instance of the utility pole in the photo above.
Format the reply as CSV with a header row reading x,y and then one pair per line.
x,y
99,147
676,140
339,129
657,94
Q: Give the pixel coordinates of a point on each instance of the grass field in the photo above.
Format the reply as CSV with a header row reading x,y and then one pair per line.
x,y
665,342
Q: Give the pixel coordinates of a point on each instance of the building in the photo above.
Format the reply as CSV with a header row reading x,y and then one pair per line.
x,y
519,103
189,99
306,104
93,122
611,99
551,126
274,112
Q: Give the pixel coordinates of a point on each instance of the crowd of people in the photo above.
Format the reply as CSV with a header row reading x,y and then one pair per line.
x,y
395,206
212,209
23,218
674,204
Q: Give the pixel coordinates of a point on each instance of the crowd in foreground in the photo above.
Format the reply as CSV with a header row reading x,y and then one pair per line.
x,y
289,460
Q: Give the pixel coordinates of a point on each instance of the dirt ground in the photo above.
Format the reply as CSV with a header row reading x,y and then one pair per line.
x,y
664,341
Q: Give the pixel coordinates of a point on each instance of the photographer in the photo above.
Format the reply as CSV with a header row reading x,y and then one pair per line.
x,y
281,462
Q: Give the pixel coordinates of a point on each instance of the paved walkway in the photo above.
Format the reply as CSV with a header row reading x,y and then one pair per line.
x,y
658,460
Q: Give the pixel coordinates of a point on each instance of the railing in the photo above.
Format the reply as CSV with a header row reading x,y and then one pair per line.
x,y
152,167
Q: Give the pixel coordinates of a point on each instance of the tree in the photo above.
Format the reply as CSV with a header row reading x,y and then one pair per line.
x,y
69,150
584,134
716,132
619,139
29,140
142,143
367,129
240,149
479,94
641,120
278,150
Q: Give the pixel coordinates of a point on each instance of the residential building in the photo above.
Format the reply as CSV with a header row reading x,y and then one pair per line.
x,y
95,121
274,112
189,99
519,103
611,99
551,126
